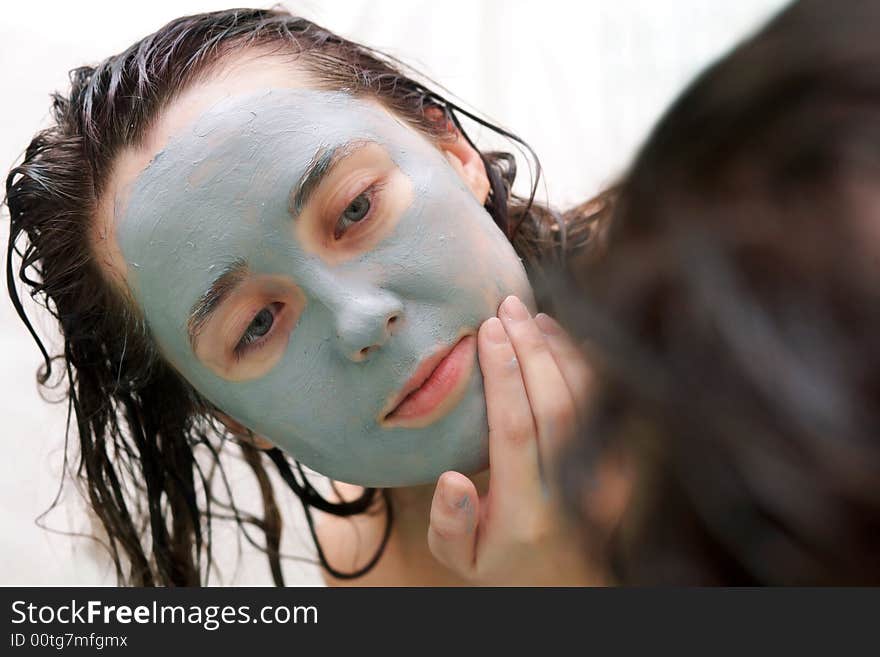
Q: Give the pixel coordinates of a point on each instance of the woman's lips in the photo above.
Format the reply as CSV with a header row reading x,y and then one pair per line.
x,y
436,387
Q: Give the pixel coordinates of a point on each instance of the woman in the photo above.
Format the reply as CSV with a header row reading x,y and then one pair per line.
x,y
734,323
247,225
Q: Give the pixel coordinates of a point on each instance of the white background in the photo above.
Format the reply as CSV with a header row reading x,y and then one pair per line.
x,y
582,82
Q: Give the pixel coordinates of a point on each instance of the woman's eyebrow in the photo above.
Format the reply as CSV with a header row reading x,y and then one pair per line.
x,y
208,303
319,168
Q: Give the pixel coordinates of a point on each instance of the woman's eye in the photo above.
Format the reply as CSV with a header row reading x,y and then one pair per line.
x,y
355,212
260,325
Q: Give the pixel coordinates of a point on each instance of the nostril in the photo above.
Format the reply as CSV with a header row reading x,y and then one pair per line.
x,y
392,321
363,352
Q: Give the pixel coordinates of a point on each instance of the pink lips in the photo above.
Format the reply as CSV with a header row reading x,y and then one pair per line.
x,y
436,387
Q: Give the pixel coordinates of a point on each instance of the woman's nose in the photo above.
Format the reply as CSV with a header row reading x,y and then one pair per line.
x,y
365,322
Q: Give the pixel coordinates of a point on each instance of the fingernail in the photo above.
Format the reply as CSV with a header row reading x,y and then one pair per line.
x,y
547,324
514,309
495,331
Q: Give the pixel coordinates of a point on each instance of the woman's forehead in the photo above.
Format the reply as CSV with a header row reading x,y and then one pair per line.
x,y
231,77
219,113
245,72
282,127
248,152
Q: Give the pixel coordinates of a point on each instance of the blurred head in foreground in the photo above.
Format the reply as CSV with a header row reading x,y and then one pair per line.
x,y
734,322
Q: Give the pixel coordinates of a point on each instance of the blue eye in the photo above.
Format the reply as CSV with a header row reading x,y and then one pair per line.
x,y
355,212
259,326
357,209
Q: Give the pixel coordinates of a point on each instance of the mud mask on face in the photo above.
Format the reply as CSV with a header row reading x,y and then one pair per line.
x,y
371,322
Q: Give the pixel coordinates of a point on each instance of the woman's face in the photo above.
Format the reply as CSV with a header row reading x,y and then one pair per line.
x,y
318,270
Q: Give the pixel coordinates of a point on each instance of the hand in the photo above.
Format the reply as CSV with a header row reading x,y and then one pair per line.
x,y
536,382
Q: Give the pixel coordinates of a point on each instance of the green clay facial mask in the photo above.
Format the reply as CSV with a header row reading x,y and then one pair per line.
x,y
318,271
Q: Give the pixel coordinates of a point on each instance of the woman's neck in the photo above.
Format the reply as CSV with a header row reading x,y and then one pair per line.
x,y
349,543
412,511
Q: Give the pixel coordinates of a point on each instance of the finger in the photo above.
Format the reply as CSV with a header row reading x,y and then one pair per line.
x,y
452,532
514,473
569,359
549,397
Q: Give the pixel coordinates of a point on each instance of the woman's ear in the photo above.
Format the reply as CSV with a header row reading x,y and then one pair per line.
x,y
242,433
469,165
463,157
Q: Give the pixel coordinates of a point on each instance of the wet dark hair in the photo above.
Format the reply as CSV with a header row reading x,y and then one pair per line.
x,y
734,320
140,426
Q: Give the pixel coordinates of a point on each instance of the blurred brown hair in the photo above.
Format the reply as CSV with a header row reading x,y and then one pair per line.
x,y
734,319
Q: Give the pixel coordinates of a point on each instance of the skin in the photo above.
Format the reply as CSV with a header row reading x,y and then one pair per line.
x,y
537,385
504,527
504,530
353,315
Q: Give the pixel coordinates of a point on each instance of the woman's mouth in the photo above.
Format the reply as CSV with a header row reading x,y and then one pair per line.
x,y
435,389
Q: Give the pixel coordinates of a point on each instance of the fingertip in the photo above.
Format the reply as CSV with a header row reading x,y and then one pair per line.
x,y
455,490
513,309
453,478
492,331
547,324
453,515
